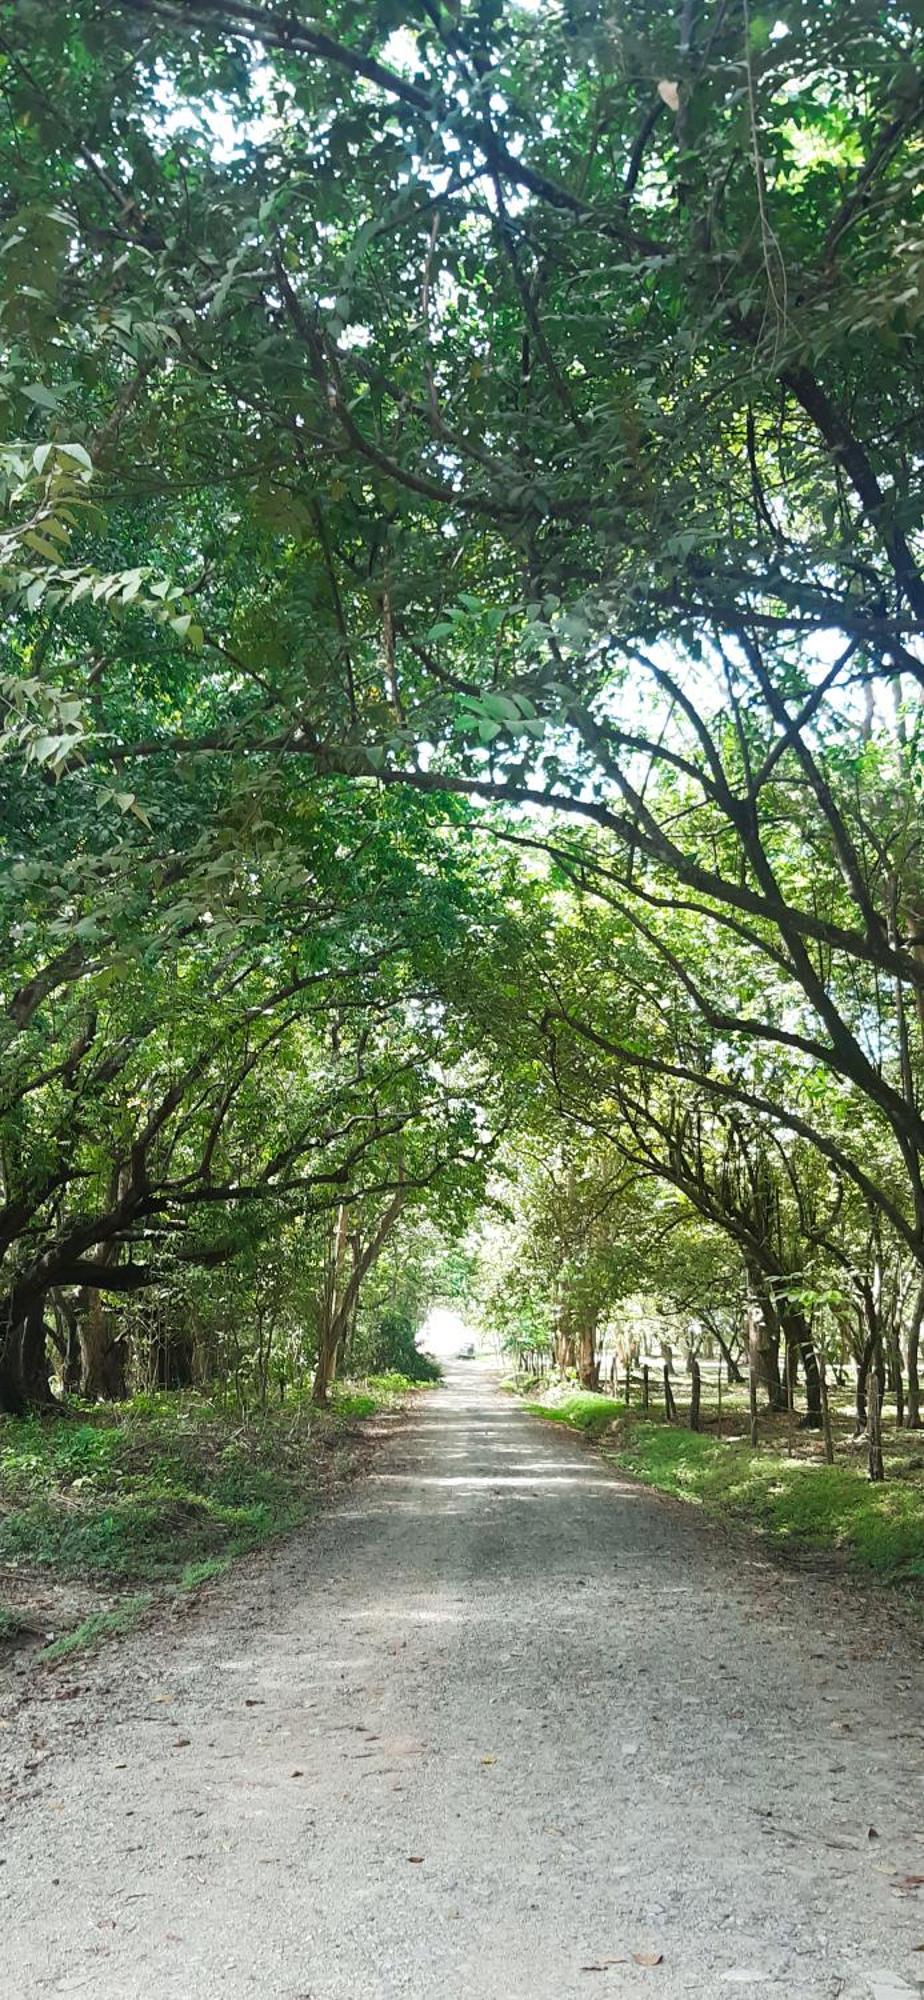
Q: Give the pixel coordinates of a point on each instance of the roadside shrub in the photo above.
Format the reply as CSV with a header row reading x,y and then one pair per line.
x,y
387,1346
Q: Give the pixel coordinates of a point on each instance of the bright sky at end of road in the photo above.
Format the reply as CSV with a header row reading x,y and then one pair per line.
x,y
444,1333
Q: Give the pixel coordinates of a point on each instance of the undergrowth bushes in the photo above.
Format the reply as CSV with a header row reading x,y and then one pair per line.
x,y
168,1487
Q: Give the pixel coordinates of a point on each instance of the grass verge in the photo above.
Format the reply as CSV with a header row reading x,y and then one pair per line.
x,y
83,1638
163,1491
796,1502
581,1410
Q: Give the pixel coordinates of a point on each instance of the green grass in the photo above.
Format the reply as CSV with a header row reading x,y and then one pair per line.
x,y
881,1528
165,1490
581,1410
195,1573
795,1501
101,1625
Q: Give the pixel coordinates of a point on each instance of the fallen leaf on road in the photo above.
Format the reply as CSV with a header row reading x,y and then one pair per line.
x,y
489,1760
908,1882
298,1774
648,1958
182,1743
872,1833
415,1857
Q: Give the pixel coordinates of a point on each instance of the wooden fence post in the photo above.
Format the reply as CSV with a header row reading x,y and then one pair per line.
x,y
628,1382
645,1387
695,1389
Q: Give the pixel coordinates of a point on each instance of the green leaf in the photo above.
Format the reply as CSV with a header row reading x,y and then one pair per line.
x,y
39,394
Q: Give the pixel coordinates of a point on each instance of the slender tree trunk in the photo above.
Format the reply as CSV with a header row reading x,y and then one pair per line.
x,y
670,1407
862,1372
69,1344
328,1318
752,1407
897,1375
825,1413
174,1358
734,1371
876,1467
695,1392
872,1354
912,1362
871,1362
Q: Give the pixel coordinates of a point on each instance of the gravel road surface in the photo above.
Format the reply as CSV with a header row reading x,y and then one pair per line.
x,y
500,1726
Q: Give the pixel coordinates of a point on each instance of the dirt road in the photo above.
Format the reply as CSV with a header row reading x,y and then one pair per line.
x,y
496,1724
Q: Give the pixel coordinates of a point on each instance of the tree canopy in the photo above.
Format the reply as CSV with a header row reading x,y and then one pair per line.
x,y
463,661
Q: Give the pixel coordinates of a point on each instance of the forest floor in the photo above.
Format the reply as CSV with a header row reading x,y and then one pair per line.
x,y
108,1511
500,1724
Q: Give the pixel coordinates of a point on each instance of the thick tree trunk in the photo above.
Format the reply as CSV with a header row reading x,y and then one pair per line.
x,y
587,1365
339,1299
102,1369
798,1333
764,1349
326,1364
324,1368
565,1352
67,1343
24,1377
